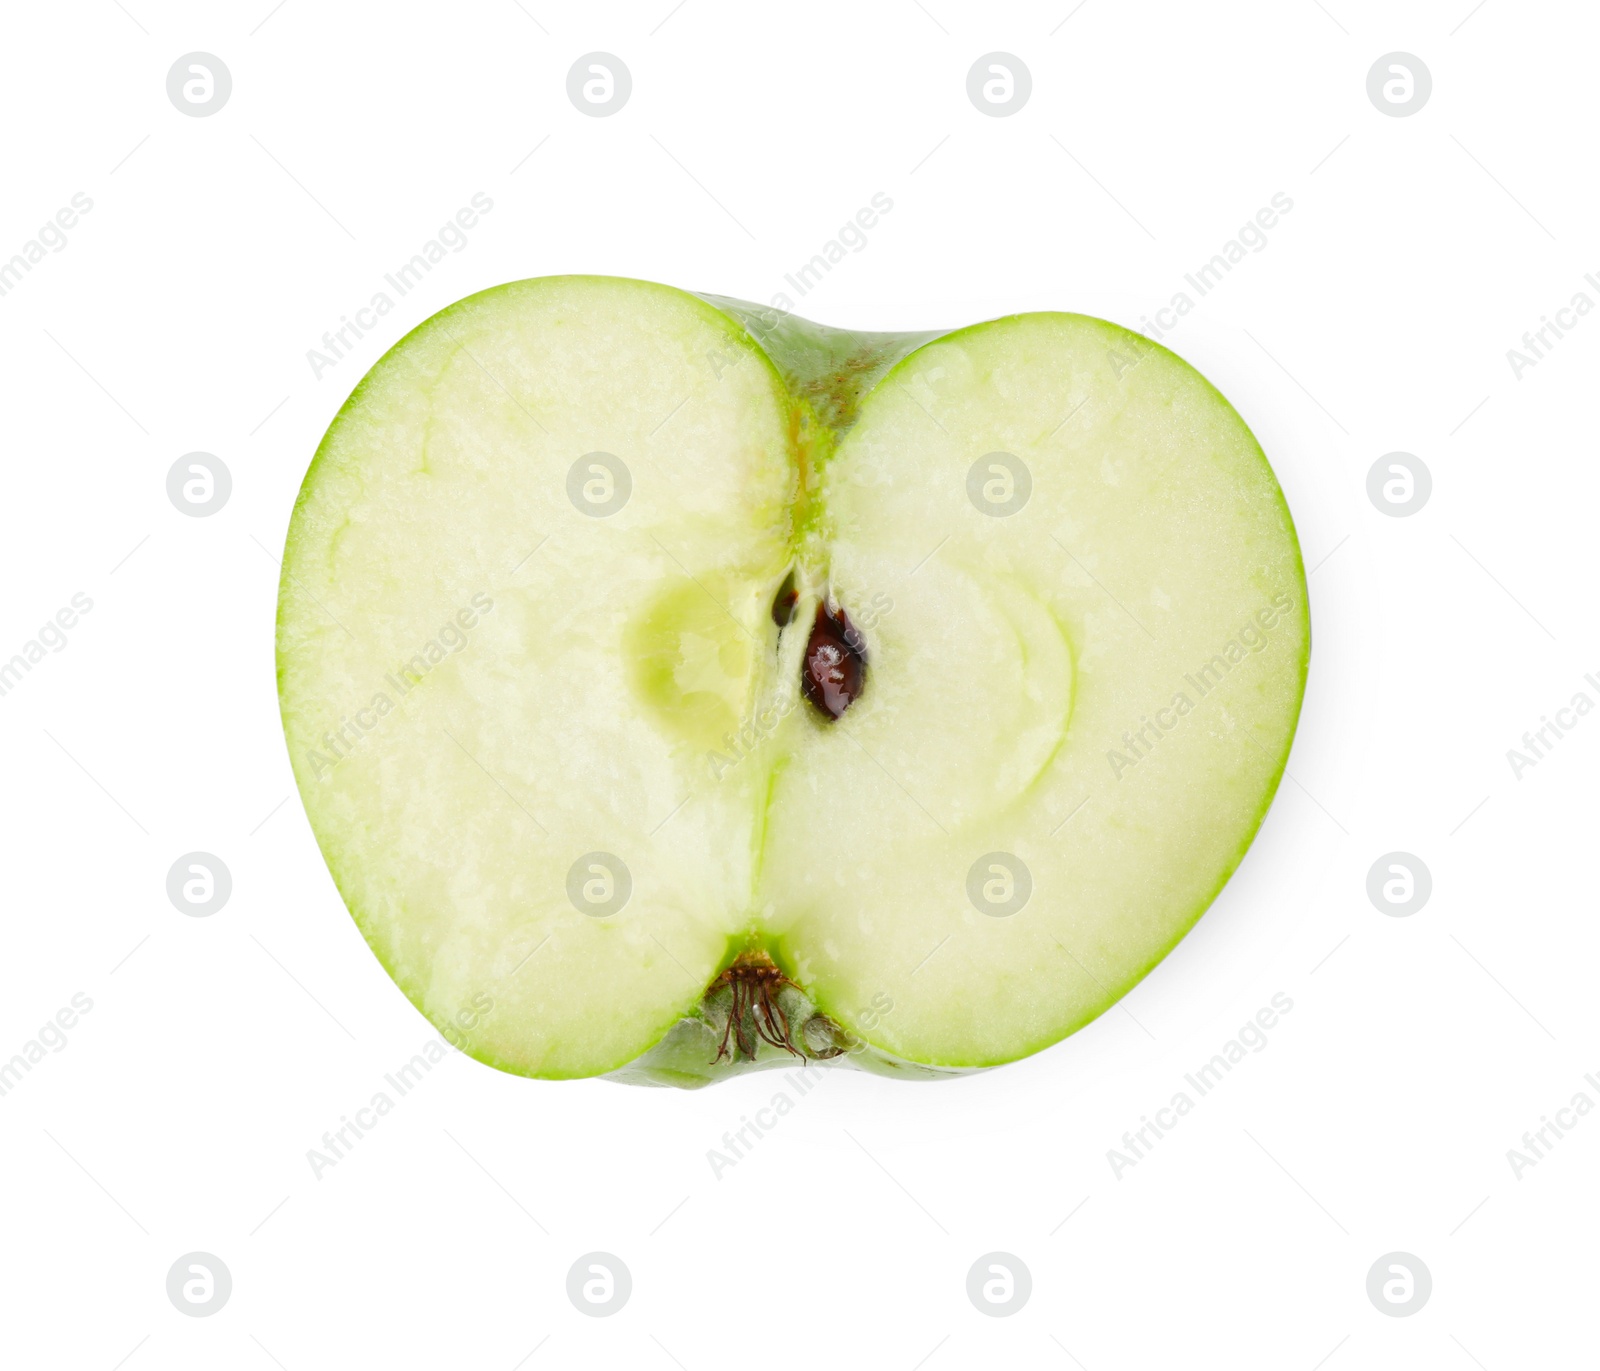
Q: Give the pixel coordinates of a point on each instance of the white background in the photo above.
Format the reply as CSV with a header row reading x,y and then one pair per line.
x,y
177,318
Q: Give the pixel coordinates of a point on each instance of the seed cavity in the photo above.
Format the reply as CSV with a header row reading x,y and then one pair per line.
x,y
834,671
784,601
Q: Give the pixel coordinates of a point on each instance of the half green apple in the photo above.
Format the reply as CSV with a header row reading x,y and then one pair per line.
x,y
676,688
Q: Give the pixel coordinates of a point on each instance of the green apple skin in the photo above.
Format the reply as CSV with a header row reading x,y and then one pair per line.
x,y
842,457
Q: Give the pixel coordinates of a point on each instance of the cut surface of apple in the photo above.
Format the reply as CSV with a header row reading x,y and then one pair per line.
x,y
676,688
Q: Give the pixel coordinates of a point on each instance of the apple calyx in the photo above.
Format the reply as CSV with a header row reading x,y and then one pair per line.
x,y
756,993
834,670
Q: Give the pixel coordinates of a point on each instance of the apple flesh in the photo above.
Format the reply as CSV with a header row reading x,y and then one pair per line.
x,y
675,689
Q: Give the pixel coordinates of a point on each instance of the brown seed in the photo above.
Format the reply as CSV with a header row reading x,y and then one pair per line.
x,y
835,668
784,601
